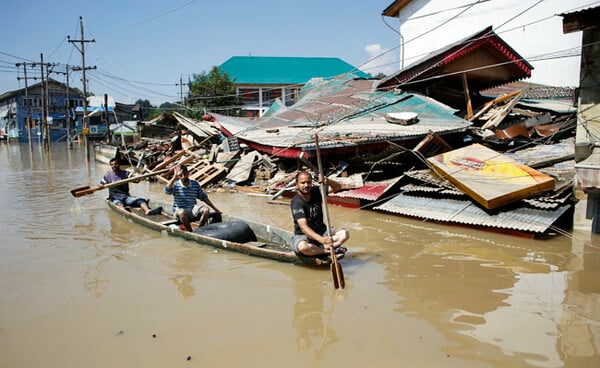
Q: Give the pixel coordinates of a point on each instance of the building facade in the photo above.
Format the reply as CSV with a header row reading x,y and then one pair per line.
x,y
587,140
23,105
261,81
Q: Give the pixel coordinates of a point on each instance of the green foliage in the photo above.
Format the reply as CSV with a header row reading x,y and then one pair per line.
x,y
143,103
212,92
164,107
148,111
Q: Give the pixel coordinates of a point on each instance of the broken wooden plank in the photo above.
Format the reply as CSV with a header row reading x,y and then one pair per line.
x,y
431,145
488,105
242,169
505,110
182,157
228,159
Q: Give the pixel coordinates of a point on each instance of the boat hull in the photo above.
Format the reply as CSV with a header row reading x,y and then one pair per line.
x,y
271,242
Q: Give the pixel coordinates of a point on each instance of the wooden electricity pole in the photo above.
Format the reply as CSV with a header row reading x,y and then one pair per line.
x,y
83,68
27,102
44,116
68,112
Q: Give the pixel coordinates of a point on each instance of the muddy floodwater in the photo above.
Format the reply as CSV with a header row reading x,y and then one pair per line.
x,y
82,287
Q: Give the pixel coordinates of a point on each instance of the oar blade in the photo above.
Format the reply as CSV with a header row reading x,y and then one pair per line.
x,y
336,281
341,281
78,192
337,273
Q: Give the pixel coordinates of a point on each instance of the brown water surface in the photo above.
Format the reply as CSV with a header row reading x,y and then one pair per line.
x,y
82,287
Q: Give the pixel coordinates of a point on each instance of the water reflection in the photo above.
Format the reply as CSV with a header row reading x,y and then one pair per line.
x,y
312,320
184,285
188,261
94,279
511,297
109,241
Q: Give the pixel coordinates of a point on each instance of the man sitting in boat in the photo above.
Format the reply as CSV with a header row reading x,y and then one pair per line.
x,y
185,192
119,194
310,233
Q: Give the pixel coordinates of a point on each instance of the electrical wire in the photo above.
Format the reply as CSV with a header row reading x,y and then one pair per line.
x,y
158,16
156,93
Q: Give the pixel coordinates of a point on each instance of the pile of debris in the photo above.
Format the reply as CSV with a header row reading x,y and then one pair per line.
x,y
476,148
412,181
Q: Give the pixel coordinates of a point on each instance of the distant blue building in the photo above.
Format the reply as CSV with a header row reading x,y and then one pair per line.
x,y
15,106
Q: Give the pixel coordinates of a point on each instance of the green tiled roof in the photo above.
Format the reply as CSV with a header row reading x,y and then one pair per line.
x,y
284,70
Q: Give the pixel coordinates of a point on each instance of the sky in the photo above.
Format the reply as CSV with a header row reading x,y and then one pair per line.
x,y
142,49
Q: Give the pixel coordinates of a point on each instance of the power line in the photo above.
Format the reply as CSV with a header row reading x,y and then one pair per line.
x,y
159,15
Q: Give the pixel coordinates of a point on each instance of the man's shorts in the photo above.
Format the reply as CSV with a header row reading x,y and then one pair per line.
x,y
129,201
194,213
296,239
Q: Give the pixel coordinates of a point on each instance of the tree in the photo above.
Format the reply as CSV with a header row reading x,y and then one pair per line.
x,y
168,106
148,111
214,92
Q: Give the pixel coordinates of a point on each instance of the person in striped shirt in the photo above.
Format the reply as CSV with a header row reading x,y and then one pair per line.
x,y
185,193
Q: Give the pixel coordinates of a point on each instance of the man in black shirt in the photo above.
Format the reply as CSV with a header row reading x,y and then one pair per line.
x,y
310,233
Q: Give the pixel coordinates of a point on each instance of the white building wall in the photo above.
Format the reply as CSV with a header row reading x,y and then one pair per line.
x,y
536,34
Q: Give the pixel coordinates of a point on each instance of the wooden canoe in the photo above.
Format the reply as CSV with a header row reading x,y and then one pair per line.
x,y
271,242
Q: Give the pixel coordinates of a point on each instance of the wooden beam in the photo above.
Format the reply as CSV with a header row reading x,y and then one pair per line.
x,y
493,102
501,114
467,96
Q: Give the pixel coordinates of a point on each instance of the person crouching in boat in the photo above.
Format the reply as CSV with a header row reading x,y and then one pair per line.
x,y
310,233
119,194
185,192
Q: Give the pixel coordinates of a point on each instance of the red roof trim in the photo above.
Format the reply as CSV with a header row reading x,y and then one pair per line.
x,y
511,56
452,55
497,45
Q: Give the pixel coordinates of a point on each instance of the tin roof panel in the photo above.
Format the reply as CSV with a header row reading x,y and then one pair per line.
x,y
465,212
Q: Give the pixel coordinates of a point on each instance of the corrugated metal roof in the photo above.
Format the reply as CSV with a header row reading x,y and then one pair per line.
x,y
465,212
538,96
284,70
345,112
426,182
582,20
530,90
537,155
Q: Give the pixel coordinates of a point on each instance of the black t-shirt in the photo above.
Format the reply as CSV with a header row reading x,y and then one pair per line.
x,y
312,211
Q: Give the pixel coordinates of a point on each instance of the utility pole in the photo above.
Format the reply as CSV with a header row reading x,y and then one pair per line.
x,y
83,68
45,130
46,139
108,133
68,108
27,102
180,84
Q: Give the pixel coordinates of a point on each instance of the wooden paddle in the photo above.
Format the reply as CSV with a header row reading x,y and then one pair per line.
x,y
336,268
78,192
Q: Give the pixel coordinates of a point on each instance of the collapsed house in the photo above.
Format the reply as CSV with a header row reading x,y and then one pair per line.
x,y
403,144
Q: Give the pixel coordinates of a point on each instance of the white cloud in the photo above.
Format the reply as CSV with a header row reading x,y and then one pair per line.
x,y
381,60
